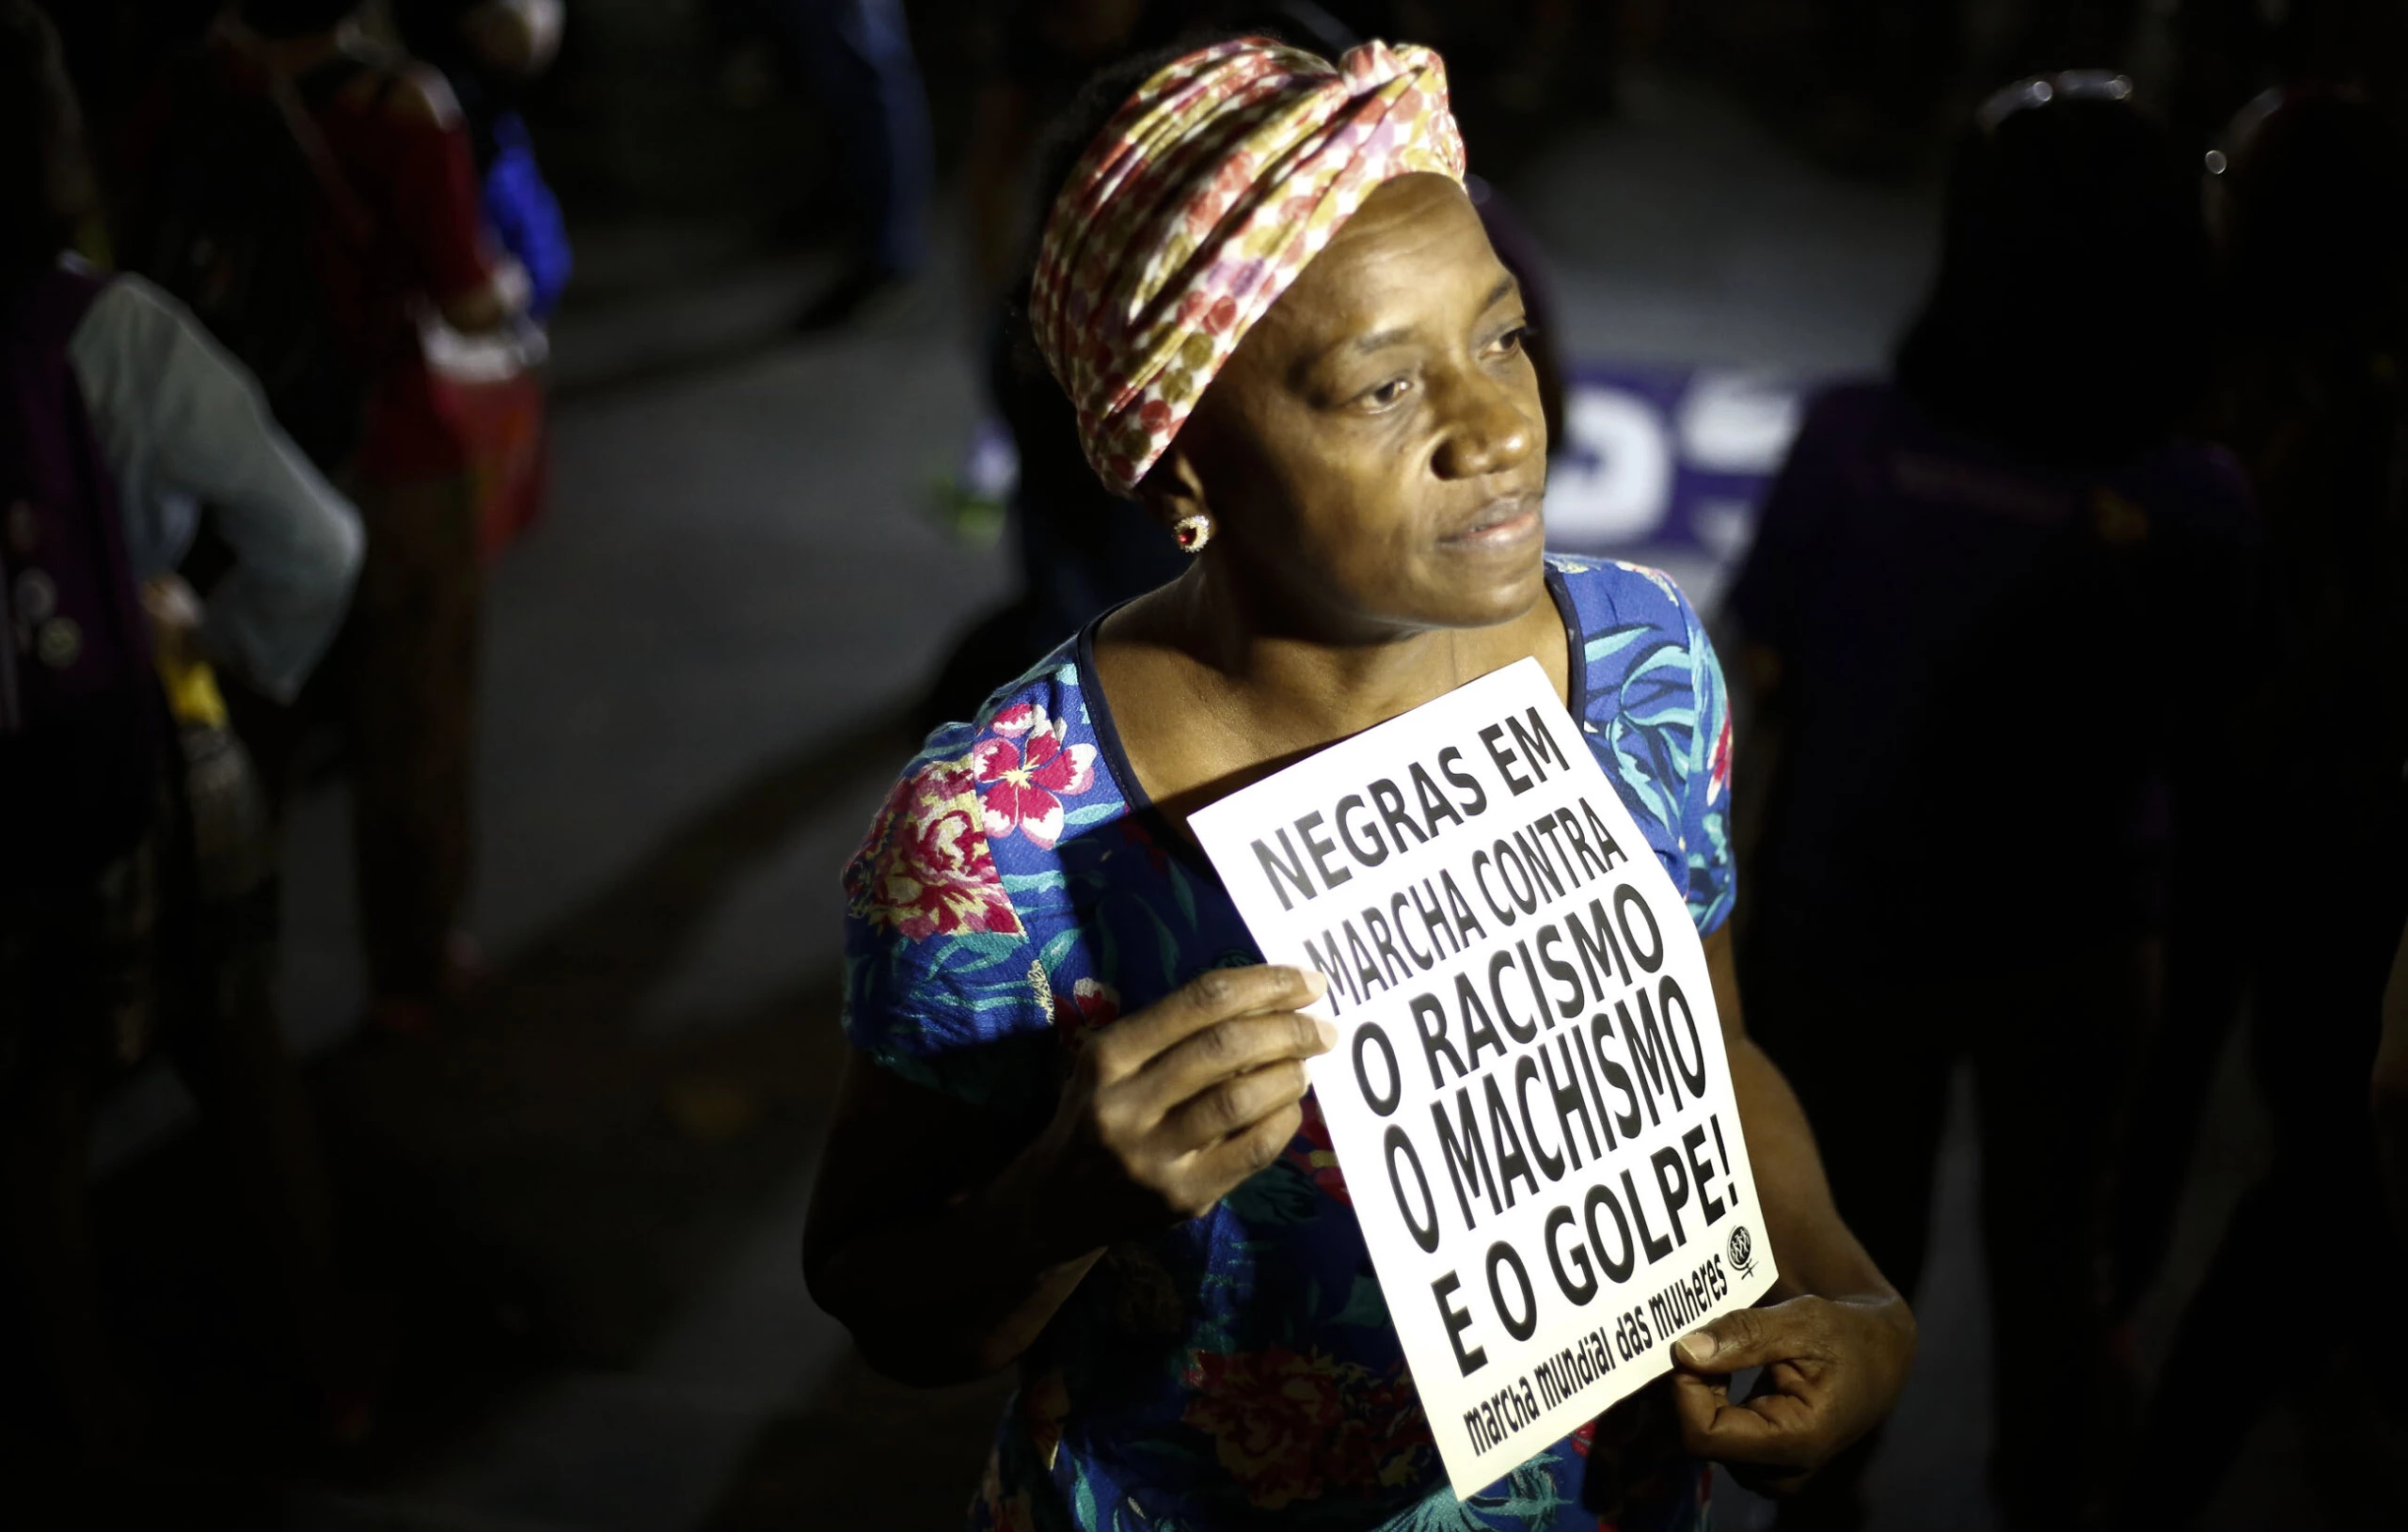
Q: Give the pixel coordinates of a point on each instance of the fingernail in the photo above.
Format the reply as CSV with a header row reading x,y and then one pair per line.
x,y
1697,1347
1316,981
1328,1034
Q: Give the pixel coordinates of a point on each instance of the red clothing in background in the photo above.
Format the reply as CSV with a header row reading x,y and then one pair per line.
x,y
412,237
416,181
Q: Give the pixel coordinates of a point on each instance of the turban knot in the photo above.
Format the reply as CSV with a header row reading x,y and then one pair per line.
x,y
1196,206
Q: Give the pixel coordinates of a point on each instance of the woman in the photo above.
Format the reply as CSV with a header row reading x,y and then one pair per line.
x,y
1077,1134
2003,561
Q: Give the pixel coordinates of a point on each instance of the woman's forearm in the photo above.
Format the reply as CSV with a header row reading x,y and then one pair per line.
x,y
1161,1117
958,1291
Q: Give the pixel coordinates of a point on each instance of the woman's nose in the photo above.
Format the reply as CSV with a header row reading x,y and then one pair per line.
x,y
1490,432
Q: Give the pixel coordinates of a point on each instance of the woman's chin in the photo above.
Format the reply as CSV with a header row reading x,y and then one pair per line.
x,y
1497,585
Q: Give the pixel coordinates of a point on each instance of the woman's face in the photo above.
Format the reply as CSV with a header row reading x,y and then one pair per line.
x,y
1373,456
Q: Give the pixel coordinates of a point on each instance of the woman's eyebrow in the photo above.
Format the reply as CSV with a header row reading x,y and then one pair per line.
x,y
1397,334
1381,339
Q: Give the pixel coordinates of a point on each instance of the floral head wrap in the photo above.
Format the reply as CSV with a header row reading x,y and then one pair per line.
x,y
1198,205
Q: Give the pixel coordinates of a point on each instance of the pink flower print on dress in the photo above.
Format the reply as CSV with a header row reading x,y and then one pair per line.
x,y
1090,1006
1718,779
1313,1152
925,870
1025,768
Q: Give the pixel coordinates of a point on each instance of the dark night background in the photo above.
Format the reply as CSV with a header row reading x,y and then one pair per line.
x,y
581,1199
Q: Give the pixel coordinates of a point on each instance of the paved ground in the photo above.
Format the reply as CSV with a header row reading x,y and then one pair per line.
x,y
583,1202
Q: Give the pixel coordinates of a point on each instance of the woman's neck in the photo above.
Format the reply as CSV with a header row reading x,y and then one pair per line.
x,y
1207,699
1332,681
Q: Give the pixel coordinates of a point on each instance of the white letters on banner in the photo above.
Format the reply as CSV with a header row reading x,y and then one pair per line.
x,y
1529,1097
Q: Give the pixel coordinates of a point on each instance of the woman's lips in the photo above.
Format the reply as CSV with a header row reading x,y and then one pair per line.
x,y
1501,524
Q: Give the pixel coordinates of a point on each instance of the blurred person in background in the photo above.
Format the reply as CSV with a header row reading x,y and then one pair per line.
x,y
858,55
489,53
2311,219
130,884
2223,52
316,198
492,386
1988,622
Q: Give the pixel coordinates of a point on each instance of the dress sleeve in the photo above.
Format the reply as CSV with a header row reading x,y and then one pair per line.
x,y
1705,803
177,415
436,208
942,983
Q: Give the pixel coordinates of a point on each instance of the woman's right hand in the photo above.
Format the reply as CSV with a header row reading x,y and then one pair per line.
x,y
945,1268
1167,1110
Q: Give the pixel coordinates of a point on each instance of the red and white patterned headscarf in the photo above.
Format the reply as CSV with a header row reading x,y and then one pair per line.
x,y
1198,204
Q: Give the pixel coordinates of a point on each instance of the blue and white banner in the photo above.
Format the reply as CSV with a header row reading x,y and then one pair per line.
x,y
1667,456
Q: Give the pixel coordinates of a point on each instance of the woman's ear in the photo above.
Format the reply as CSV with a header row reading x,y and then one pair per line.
x,y
1172,490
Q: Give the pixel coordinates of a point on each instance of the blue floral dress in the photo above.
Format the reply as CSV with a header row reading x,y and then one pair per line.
x,y
1018,891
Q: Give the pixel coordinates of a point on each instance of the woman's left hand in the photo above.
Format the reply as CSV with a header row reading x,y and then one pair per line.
x,y
1833,1369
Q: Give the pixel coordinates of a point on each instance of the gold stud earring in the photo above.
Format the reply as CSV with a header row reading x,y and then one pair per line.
x,y
1193,532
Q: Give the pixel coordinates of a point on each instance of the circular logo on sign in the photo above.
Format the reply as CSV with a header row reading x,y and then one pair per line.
x,y
1743,1248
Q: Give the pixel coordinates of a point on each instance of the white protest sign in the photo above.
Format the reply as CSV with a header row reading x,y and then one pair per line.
x,y
1529,1096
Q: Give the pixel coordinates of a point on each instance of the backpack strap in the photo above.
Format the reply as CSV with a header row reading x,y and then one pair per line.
x,y
292,98
385,84
321,83
320,157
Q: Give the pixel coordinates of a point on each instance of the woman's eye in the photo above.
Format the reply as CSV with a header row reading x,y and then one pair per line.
x,y
1515,340
1388,393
